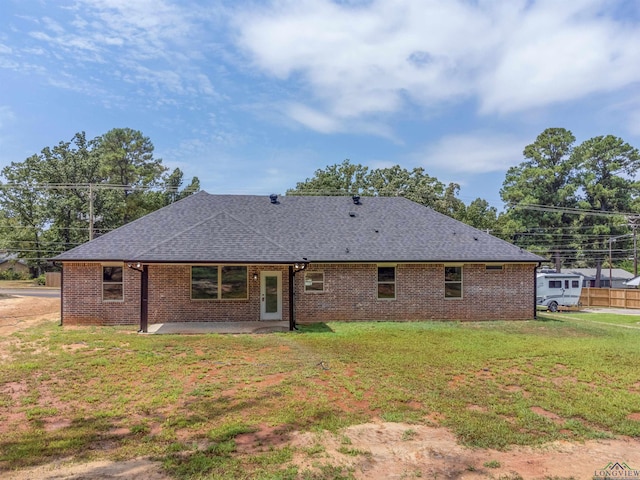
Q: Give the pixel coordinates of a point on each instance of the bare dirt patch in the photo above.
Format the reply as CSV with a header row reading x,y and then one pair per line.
x,y
376,450
400,451
17,313
385,450
100,470
557,419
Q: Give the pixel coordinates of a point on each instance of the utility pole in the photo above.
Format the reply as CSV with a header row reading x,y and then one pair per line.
x,y
633,223
90,211
611,240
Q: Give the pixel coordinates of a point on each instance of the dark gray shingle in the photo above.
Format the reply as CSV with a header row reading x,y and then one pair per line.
x,y
250,229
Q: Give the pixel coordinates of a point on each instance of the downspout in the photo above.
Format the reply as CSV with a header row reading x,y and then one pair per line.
x,y
293,269
61,294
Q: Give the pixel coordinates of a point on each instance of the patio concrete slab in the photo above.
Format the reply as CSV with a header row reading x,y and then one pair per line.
x,y
218,327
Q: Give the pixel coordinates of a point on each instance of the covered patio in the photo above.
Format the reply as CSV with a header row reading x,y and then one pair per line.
x,y
197,328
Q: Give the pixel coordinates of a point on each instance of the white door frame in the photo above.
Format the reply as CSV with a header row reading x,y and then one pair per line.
x,y
264,315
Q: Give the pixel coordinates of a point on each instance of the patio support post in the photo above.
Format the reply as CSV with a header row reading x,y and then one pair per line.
x,y
292,319
535,291
144,299
144,294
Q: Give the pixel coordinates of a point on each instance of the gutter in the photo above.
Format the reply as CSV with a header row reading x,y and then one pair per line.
x,y
293,269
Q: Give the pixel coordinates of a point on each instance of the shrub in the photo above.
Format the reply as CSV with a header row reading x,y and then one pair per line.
x,y
11,274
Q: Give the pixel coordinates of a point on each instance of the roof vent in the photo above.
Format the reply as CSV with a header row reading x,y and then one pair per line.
x,y
352,214
356,200
274,198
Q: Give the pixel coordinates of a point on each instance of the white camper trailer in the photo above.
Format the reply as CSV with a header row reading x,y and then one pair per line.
x,y
555,290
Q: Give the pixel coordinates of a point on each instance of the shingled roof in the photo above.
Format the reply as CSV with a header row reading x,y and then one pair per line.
x,y
252,229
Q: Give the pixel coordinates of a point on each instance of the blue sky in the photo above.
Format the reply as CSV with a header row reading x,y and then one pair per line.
x,y
254,96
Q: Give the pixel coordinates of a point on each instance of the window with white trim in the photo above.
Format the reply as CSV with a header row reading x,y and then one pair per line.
x,y
452,282
112,284
386,283
219,282
313,282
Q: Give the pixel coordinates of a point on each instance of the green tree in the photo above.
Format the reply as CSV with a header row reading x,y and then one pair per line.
x,y
24,213
45,202
416,185
481,215
607,168
172,184
343,179
127,165
546,178
67,169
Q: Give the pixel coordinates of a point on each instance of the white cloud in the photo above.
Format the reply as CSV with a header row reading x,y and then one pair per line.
x,y
477,152
152,43
363,59
561,52
312,118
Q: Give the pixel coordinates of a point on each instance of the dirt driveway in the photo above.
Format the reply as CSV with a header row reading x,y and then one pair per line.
x,y
391,450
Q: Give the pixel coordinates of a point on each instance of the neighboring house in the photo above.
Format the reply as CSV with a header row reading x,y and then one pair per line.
x,y
13,263
246,258
618,277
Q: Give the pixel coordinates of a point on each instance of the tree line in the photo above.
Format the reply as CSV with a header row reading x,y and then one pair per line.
x,y
567,202
594,193
59,198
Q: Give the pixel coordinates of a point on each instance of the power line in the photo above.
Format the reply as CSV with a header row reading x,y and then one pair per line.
x,y
77,186
572,211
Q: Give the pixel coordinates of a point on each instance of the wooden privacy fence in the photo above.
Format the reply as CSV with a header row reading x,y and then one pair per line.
x,y
610,297
52,279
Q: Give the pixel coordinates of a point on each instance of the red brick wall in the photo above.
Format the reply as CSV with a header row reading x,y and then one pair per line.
x,y
350,294
169,297
82,297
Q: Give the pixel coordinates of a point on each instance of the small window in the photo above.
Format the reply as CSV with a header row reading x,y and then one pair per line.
x,y
575,283
112,284
386,283
566,284
452,282
493,268
555,283
313,282
219,282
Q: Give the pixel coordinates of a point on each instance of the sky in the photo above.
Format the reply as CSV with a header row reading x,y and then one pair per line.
x,y
254,96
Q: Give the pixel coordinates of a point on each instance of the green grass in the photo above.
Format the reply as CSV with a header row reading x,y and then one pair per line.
x,y
611,318
188,399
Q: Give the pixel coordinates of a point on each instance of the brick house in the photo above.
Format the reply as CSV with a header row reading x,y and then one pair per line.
x,y
296,259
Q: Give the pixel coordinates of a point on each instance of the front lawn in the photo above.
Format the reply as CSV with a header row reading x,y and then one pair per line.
x,y
105,392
